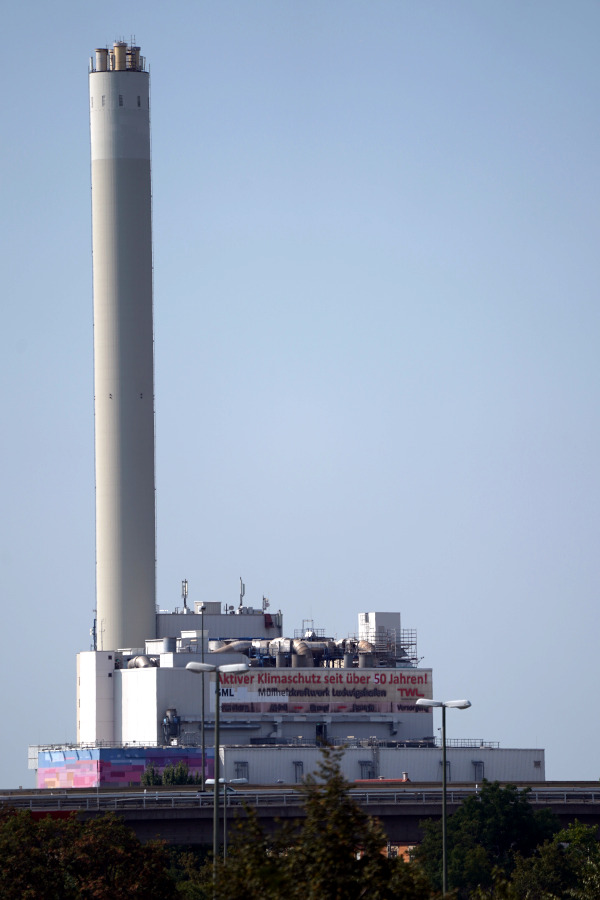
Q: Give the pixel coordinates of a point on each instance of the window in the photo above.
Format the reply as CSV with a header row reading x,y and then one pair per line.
x,y
367,769
298,770
241,769
537,764
120,99
321,733
447,769
139,100
478,767
103,99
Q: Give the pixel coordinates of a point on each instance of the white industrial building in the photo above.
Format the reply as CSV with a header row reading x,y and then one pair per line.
x,y
370,760
143,706
137,703
305,688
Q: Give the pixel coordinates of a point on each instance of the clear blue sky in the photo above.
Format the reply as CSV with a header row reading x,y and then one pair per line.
x,y
376,317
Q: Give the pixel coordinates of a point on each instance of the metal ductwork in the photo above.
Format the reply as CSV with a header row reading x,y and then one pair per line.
x,y
303,652
233,646
140,662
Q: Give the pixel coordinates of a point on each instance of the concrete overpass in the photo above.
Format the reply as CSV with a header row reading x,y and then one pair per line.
x,y
185,815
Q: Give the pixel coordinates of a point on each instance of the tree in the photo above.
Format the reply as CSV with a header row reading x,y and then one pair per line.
x,y
334,831
170,775
335,852
64,859
483,835
566,866
179,774
151,777
107,860
30,854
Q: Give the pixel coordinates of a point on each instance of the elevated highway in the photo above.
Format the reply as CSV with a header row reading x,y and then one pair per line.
x,y
185,815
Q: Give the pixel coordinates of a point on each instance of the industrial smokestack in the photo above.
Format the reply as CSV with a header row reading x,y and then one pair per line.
x,y
123,348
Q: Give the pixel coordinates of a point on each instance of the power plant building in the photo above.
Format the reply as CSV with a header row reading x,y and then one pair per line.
x,y
136,709
137,702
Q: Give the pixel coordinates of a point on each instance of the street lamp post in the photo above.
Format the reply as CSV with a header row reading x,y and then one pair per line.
x,y
202,610
224,782
444,704
199,669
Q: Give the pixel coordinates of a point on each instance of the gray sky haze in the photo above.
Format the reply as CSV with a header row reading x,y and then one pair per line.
x,y
376,340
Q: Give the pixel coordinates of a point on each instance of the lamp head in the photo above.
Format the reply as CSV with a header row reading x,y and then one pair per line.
x,y
450,704
198,668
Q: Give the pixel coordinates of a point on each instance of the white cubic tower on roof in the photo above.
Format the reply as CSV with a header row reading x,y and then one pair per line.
x,y
123,348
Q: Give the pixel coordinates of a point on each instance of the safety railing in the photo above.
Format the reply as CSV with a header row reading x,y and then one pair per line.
x,y
149,799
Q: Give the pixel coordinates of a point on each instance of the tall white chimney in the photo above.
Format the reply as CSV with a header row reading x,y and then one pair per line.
x,y
123,348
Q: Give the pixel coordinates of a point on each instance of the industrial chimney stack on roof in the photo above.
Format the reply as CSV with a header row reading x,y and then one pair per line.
x,y
123,347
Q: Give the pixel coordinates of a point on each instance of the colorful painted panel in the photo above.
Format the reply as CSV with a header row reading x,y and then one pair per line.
x,y
118,766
